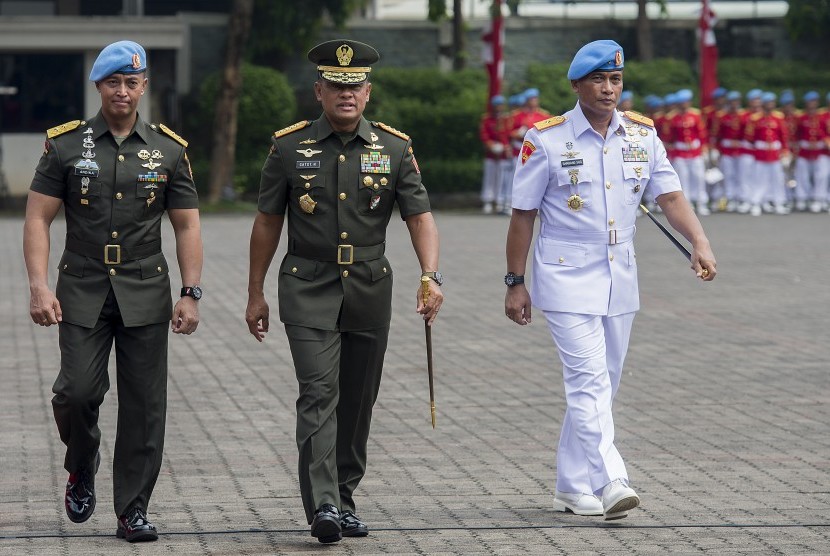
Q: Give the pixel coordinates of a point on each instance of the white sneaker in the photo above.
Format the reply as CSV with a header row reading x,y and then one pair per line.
x,y
617,499
703,210
768,207
731,206
755,210
744,207
815,206
801,206
487,208
578,503
782,209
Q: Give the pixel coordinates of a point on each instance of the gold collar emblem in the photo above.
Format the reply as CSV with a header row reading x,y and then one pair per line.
x,y
308,141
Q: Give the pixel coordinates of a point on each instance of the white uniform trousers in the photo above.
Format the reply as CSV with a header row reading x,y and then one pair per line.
x,y
691,172
746,176
491,180
731,178
811,177
592,349
505,195
769,183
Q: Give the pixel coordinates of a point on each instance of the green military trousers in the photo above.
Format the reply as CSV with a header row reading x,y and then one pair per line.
x,y
339,377
83,380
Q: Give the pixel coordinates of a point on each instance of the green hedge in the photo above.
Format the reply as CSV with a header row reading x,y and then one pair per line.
x,y
267,104
743,74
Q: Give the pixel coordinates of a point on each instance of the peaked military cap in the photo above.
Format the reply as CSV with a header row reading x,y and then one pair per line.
x,y
604,55
119,57
344,61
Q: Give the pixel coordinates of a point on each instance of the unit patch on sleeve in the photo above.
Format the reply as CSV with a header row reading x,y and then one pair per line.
x,y
528,149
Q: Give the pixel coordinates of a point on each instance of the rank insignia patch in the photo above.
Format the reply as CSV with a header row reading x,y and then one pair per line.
x,y
528,149
375,163
414,162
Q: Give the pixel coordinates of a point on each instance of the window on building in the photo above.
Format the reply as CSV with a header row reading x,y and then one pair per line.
x,y
40,91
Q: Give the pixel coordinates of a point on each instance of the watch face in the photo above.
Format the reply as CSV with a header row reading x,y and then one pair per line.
x,y
439,278
196,292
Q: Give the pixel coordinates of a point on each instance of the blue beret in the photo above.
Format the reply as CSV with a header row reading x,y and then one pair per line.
x,y
626,95
119,57
497,100
754,94
787,97
670,98
530,93
811,95
768,97
653,101
684,95
733,95
604,55
719,92
517,100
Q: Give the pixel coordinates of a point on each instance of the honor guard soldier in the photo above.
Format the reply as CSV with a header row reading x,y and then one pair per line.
x,y
585,173
494,133
115,176
690,139
812,164
746,162
337,179
727,135
767,132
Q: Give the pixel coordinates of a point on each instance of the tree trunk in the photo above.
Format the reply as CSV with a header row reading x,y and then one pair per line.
x,y
223,153
645,46
458,55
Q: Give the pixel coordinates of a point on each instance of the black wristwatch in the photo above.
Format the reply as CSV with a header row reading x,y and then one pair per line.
x,y
512,279
437,276
192,291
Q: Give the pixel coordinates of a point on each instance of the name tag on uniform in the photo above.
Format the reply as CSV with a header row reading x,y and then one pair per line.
x,y
302,164
574,162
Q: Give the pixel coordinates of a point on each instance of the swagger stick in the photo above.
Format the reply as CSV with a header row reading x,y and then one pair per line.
x,y
428,331
705,271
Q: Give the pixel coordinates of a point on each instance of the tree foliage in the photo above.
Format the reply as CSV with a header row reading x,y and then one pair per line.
x,y
809,20
282,28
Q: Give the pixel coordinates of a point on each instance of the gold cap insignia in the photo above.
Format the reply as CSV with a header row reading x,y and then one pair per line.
x,y
136,61
345,54
618,58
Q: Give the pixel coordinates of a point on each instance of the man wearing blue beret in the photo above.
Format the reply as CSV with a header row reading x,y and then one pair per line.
x,y
115,176
585,173
812,165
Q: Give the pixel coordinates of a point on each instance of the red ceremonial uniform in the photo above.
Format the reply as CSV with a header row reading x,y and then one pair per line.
x,y
728,132
767,132
494,132
688,133
812,135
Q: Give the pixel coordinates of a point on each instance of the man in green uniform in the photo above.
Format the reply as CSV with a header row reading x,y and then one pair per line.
x,y
115,176
338,178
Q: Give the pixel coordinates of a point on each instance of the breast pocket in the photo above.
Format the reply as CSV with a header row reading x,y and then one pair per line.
x,y
574,181
562,253
150,197
85,191
635,177
308,194
375,195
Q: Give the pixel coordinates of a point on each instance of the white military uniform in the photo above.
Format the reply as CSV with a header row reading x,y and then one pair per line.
x,y
587,189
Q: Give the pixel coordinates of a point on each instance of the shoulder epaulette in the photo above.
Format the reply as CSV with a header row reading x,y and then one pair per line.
x,y
170,133
694,110
292,128
63,128
391,130
756,116
550,122
639,118
777,113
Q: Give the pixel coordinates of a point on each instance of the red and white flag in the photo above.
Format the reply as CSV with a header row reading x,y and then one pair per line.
x,y
492,51
708,54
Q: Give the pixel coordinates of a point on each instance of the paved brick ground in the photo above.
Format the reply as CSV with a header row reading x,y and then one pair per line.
x,y
722,415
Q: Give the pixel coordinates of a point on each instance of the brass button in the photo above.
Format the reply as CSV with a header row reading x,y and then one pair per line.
x,y
611,258
120,158
611,222
345,274
114,235
605,150
152,193
376,186
294,269
608,185
65,266
367,180
561,259
119,196
344,235
158,268
307,185
112,272
342,158
342,196
384,269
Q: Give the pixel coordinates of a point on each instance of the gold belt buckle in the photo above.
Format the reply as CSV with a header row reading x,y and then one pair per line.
x,y
107,259
612,237
340,258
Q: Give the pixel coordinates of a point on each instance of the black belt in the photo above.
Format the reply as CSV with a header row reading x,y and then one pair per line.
x,y
113,253
341,254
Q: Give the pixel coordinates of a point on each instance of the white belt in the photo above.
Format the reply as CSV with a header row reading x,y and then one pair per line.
x,y
767,145
732,143
814,145
684,146
608,237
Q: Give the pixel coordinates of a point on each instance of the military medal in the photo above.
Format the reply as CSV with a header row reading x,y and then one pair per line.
x,y
383,181
368,181
151,199
574,176
575,202
307,204
86,166
151,164
308,153
634,153
375,163
373,204
84,185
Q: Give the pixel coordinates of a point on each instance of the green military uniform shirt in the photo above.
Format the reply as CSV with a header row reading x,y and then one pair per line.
x,y
114,195
339,194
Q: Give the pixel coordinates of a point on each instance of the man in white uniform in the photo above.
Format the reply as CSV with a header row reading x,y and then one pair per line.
x,y
585,173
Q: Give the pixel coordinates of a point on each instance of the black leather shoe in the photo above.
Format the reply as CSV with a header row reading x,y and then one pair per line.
x,y
79,499
326,524
352,526
134,527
